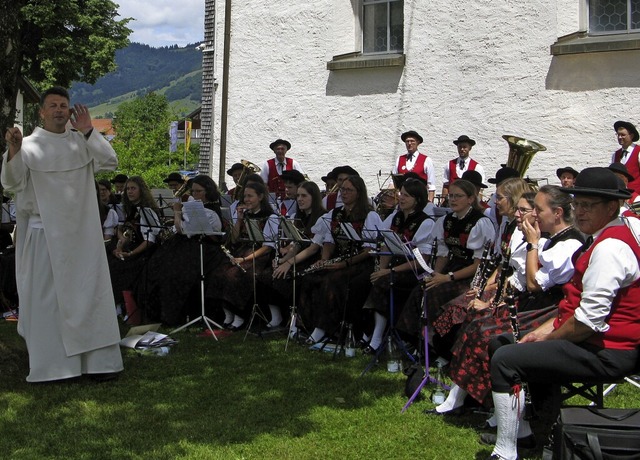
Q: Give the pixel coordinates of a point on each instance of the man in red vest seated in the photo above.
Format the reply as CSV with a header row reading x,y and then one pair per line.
x,y
415,161
273,168
458,166
628,152
596,333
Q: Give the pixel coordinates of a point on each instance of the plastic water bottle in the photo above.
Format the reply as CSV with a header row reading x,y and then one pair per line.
x,y
350,348
438,395
393,357
157,351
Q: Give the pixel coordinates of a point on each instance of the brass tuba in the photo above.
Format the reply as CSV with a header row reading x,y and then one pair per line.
x,y
521,152
248,168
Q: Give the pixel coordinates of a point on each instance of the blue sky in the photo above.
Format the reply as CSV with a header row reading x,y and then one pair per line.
x,y
164,22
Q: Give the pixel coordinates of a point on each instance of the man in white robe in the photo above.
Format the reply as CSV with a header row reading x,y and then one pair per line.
x,y
67,312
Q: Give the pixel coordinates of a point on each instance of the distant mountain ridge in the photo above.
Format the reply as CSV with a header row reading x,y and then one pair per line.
x,y
172,71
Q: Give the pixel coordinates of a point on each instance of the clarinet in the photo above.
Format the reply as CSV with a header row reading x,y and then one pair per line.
x,y
489,268
231,258
324,263
502,280
510,301
477,277
434,254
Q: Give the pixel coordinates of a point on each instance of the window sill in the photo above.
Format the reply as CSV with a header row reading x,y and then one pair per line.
x,y
581,42
356,60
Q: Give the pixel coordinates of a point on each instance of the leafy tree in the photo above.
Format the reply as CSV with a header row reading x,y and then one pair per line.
x,y
56,42
142,140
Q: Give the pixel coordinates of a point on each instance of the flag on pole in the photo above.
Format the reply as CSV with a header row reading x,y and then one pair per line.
x,y
173,136
187,135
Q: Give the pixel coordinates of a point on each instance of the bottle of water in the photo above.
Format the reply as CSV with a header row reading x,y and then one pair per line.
x,y
350,347
156,351
393,356
438,395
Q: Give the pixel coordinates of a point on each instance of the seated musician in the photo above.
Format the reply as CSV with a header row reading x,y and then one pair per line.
x,y
136,236
330,181
460,236
173,271
597,328
108,215
287,206
334,199
235,171
339,290
239,196
232,285
119,182
508,246
176,182
309,210
537,281
411,224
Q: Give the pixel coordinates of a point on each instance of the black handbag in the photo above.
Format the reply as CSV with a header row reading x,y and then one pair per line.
x,y
589,433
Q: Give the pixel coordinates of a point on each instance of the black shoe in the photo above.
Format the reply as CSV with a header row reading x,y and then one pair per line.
x,y
369,350
104,377
497,457
362,344
233,328
226,325
528,442
450,413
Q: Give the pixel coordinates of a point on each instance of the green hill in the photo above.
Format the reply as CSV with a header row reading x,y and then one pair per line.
x,y
172,71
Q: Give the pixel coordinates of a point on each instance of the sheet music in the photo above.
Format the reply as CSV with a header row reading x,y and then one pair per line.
x,y
422,262
196,221
394,243
291,232
254,231
349,231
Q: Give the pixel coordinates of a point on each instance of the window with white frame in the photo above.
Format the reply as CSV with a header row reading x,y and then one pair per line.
x,y
382,26
614,16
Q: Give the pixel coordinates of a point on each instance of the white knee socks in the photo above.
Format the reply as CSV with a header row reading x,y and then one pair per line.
x,y
508,410
454,400
276,316
378,330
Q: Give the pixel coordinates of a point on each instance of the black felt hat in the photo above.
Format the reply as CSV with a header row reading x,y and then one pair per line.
x,y
566,169
474,177
465,138
277,142
330,176
119,179
234,167
597,181
413,134
174,177
503,173
292,175
345,170
620,169
629,127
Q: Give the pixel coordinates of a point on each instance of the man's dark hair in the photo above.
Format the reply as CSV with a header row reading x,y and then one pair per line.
x,y
57,90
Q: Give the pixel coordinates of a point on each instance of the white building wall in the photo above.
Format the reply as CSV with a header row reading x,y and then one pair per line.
x,y
481,68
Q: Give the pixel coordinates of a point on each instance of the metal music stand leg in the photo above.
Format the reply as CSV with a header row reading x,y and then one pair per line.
x,y
427,377
255,310
391,331
293,321
207,321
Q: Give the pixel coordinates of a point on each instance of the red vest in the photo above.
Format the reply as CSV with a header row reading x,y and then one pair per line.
x,y
632,167
274,182
624,318
453,173
332,199
418,166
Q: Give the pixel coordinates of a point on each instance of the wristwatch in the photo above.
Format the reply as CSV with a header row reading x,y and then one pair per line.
x,y
531,246
451,277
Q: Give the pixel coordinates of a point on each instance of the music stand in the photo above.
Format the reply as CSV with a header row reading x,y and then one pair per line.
x,y
255,235
427,377
198,224
292,233
398,249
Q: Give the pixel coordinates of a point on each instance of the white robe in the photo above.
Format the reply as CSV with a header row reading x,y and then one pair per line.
x,y
69,285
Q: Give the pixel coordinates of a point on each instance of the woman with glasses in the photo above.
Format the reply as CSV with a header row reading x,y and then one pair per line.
x,y
460,237
413,226
508,239
172,274
548,240
339,289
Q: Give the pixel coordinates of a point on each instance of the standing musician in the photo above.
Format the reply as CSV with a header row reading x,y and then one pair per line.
x,y
461,236
458,166
411,224
330,181
173,271
175,181
629,152
235,171
272,169
416,161
567,176
136,236
306,219
341,287
597,328
232,286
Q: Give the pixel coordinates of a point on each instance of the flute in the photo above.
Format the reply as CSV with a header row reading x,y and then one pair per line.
x,y
232,258
510,301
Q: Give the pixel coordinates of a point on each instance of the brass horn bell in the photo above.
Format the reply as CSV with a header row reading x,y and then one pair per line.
x,y
521,152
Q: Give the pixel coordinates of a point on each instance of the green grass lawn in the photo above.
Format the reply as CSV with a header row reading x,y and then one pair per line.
x,y
231,399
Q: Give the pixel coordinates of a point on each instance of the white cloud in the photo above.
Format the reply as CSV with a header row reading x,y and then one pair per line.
x,y
164,22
